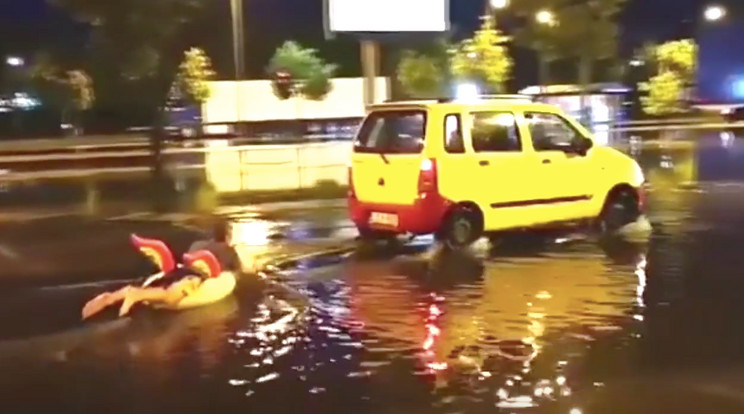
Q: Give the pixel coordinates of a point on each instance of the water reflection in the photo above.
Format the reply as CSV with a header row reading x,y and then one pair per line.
x,y
559,325
489,337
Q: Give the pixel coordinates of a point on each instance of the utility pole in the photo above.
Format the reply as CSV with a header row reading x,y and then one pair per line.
x,y
370,51
238,31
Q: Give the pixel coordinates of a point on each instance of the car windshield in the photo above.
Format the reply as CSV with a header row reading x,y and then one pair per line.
x,y
399,132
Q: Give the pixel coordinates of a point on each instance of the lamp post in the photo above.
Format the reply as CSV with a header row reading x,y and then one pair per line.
x,y
238,31
544,18
493,5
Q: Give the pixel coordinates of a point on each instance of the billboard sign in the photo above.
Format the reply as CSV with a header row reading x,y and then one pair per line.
x,y
387,16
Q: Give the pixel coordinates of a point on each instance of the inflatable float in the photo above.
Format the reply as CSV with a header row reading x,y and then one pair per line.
x,y
217,284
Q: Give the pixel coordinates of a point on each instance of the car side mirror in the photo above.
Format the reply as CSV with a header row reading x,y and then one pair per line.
x,y
583,145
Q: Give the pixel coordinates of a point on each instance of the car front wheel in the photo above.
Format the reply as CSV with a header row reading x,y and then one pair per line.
x,y
620,210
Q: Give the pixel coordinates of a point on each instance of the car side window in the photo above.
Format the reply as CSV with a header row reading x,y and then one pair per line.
x,y
453,140
550,132
495,132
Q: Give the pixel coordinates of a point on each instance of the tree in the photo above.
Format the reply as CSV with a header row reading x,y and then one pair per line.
x,y
541,39
69,89
583,30
194,75
679,57
136,46
421,76
664,93
676,64
483,58
309,74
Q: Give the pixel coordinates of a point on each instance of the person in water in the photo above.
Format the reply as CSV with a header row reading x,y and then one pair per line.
x,y
174,282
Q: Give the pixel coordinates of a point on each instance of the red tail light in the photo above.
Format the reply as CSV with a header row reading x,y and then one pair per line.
x,y
351,192
427,177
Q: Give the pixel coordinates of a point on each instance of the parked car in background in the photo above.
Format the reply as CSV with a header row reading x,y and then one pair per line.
x,y
734,114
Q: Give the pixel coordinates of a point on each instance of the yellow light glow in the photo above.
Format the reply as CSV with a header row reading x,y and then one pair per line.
x,y
545,17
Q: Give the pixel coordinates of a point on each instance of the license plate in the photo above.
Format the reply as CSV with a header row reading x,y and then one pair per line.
x,y
384,219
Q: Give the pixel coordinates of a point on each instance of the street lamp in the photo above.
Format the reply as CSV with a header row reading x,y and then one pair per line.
x,y
545,17
499,4
715,13
14,61
493,6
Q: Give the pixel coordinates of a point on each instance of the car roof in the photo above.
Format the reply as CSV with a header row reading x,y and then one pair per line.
x,y
505,102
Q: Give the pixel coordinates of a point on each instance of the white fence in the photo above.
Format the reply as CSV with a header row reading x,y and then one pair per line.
x,y
276,167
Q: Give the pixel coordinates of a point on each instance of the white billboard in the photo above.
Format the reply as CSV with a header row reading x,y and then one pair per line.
x,y
387,16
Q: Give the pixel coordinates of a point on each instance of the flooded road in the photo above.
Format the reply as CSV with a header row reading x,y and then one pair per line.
x,y
644,323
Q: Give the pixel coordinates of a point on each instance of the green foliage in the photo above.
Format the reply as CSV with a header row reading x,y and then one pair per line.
x,y
676,64
664,93
584,31
310,73
421,76
194,75
135,45
483,57
680,57
69,89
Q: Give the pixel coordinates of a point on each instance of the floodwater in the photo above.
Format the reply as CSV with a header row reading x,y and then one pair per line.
x,y
644,323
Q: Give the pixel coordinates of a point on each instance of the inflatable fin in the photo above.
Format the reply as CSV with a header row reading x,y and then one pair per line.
x,y
203,262
155,250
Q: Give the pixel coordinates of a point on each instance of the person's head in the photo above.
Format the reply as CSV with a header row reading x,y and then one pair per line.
x,y
221,231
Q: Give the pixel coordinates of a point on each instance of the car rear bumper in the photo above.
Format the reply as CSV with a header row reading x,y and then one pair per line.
x,y
424,216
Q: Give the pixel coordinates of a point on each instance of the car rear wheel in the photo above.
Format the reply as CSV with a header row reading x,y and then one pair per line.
x,y
620,210
461,229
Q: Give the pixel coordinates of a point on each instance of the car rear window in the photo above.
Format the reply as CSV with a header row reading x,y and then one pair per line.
x,y
397,132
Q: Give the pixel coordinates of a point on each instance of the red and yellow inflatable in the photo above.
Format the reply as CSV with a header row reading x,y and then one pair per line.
x,y
155,250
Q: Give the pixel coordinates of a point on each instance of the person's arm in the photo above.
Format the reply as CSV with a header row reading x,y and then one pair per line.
x,y
198,245
235,264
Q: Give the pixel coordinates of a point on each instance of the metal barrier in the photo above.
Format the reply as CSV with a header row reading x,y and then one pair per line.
x,y
228,168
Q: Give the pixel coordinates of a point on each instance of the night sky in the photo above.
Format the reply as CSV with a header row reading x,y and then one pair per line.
x,y
26,25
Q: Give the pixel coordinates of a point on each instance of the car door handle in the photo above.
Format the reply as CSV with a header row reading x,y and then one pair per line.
x,y
484,163
546,161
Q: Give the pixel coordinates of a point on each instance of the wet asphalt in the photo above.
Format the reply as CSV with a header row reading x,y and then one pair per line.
x,y
646,322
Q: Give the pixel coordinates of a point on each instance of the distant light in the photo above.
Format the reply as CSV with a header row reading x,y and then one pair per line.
x,y
575,411
467,92
545,17
715,13
636,62
14,61
727,139
499,4
737,87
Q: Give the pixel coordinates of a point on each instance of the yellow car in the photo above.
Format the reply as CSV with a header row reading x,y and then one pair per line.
x,y
461,170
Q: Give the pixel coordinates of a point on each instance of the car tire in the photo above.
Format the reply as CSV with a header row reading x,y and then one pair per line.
x,y
620,209
461,229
